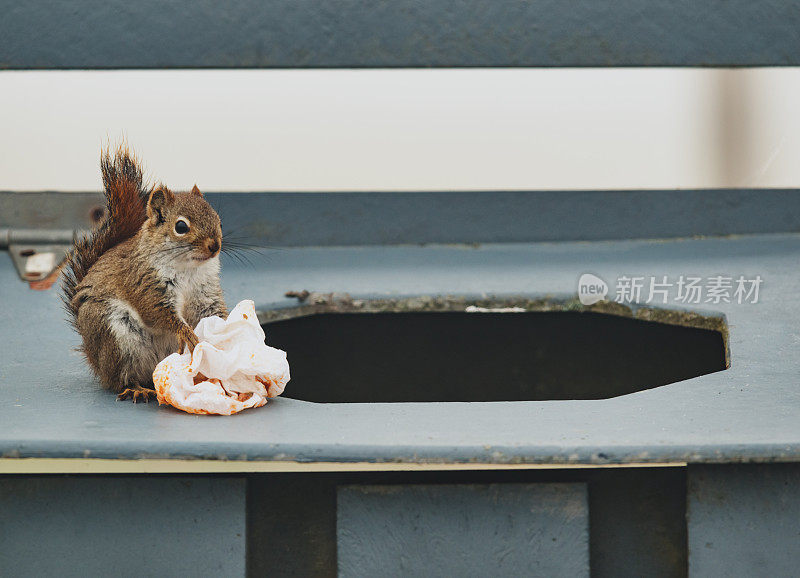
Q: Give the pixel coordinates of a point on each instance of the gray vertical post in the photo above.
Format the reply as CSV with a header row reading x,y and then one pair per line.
x,y
744,520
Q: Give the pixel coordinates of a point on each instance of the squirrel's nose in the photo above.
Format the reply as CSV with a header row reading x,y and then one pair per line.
x,y
213,247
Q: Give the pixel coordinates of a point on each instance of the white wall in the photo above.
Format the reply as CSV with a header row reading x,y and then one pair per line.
x,y
406,129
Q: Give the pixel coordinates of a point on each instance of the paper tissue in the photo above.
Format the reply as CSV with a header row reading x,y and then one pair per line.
x,y
231,368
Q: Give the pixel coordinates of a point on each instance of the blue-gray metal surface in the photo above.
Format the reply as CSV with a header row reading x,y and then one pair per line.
x,y
122,526
463,530
744,520
397,33
637,522
297,219
372,218
50,405
637,516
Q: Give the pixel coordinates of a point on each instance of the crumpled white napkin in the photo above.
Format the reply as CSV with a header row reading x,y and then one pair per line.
x,y
236,369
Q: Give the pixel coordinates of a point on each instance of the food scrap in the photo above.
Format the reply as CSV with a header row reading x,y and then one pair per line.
x,y
231,368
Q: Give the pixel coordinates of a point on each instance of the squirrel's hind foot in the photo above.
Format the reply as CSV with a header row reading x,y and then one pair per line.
x,y
136,393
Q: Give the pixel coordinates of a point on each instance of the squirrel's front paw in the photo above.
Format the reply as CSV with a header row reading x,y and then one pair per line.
x,y
187,337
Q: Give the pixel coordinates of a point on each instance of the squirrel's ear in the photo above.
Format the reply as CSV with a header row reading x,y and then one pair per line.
x,y
160,198
196,191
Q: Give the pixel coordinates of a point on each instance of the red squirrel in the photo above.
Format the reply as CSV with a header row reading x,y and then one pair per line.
x,y
138,284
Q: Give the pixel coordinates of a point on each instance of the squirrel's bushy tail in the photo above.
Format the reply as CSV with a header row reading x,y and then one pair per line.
x,y
126,210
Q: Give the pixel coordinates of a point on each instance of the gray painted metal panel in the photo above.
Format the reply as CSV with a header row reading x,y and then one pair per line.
x,y
744,520
291,525
397,33
638,522
285,219
122,526
313,219
463,530
51,406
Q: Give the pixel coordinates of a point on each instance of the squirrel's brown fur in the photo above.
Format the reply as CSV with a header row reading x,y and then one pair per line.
x,y
138,284
126,209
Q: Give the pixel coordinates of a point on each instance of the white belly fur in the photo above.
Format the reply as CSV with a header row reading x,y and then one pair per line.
x,y
144,346
141,346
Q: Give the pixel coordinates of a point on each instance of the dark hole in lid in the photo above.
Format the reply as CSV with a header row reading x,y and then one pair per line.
x,y
433,357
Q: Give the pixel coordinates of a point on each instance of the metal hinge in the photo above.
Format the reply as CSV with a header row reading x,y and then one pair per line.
x,y
37,253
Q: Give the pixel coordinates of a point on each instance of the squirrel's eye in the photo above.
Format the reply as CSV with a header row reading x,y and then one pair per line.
x,y
181,227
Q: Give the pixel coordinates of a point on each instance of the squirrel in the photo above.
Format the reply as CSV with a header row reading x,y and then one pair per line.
x,y
137,285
